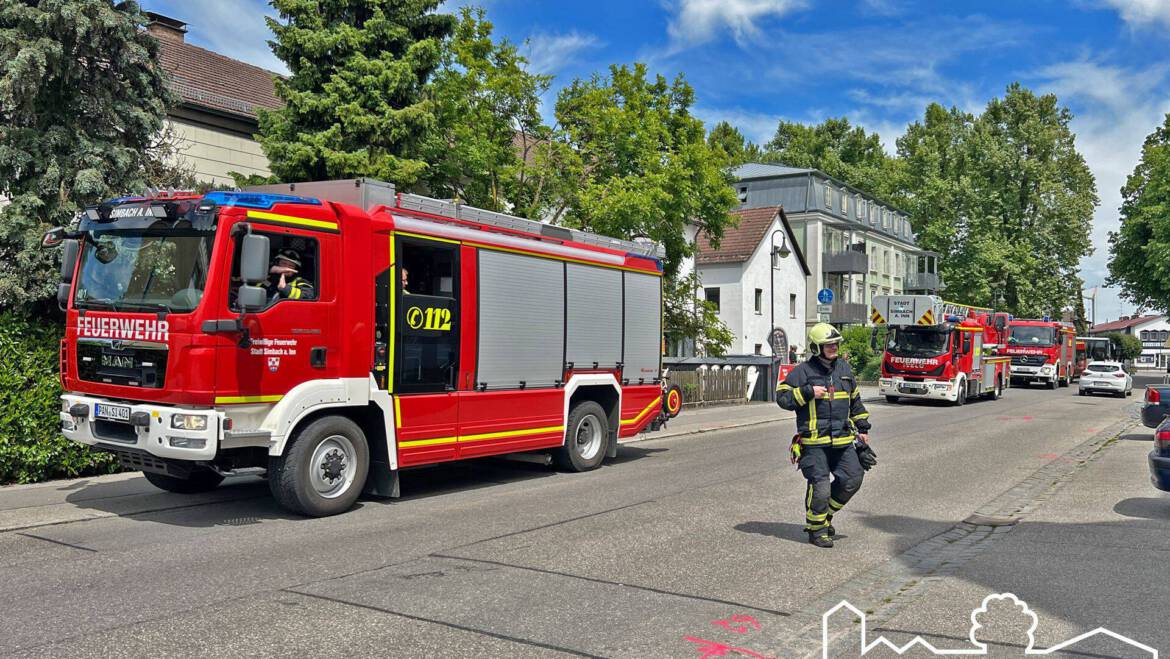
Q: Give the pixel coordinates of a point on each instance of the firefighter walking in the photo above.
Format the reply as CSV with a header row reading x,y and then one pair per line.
x,y
830,418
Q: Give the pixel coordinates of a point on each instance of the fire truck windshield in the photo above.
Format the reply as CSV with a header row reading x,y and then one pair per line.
x,y
918,342
1023,335
143,270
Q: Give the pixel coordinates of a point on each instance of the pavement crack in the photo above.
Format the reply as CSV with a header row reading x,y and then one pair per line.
x,y
550,525
58,542
607,582
444,623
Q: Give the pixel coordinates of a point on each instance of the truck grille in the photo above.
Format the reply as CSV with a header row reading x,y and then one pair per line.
x,y
127,363
1029,360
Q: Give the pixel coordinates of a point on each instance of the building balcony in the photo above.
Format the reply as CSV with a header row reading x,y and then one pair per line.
x,y
845,263
851,313
922,281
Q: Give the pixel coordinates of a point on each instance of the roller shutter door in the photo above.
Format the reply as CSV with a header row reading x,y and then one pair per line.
x,y
595,316
643,327
521,320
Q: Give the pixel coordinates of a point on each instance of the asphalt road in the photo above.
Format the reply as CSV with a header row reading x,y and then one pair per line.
x,y
679,547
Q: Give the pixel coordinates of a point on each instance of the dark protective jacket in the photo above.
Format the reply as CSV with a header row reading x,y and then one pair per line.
x,y
298,288
830,421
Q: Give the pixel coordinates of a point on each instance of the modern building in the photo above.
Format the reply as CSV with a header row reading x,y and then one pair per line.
x,y
856,245
756,279
215,118
1152,330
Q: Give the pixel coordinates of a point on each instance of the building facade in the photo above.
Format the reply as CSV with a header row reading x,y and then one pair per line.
x,y
856,245
1152,330
756,279
215,119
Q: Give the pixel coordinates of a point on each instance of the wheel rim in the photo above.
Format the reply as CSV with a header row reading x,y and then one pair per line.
x,y
333,466
673,401
588,437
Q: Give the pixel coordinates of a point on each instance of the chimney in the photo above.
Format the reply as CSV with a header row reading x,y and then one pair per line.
x,y
165,28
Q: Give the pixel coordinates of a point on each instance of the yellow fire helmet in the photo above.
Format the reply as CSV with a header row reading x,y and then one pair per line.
x,y
822,334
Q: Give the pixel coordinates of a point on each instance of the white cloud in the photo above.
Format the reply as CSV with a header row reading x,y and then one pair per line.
x,y
549,52
698,21
758,127
234,28
1115,109
1142,12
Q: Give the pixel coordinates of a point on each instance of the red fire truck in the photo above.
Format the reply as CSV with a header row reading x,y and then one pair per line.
x,y
425,331
940,350
1042,351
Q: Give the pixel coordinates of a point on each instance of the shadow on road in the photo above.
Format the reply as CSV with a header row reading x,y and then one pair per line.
x,y
1144,507
781,530
1139,436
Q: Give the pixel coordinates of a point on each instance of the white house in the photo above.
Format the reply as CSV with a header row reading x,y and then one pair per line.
x,y
756,278
1153,331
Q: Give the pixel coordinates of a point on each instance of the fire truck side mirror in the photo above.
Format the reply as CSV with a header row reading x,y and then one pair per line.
x,y
253,260
252,298
69,251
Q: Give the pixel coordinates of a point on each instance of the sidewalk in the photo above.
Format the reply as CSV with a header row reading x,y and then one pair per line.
x,y
694,420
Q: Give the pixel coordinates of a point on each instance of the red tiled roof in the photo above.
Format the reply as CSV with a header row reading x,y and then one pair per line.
x,y
1123,324
740,242
209,80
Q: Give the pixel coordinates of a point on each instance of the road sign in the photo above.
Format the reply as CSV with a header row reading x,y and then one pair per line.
x,y
825,296
824,308
824,318
1046,319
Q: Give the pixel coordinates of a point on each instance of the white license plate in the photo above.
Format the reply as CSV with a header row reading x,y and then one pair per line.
x,y
111,412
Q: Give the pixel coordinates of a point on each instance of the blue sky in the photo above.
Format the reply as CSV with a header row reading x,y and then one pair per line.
x,y
877,62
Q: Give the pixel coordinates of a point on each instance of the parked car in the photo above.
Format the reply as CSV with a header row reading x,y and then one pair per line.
x,y
1160,457
1157,405
1109,377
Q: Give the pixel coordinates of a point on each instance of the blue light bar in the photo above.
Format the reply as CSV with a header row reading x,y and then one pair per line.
x,y
263,200
954,319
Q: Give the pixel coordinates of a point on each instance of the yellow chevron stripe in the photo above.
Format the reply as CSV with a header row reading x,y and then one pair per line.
x,y
236,400
480,437
289,219
657,401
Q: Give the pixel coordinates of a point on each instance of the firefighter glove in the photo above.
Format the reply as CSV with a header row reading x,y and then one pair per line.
x,y
865,455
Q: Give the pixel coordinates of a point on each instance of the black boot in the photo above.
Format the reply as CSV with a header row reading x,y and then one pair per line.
x,y
832,532
820,538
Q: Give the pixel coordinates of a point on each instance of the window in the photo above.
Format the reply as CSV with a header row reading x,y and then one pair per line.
x,y
759,348
844,204
886,260
885,219
1145,335
712,296
792,305
304,286
859,206
759,300
743,194
427,317
828,197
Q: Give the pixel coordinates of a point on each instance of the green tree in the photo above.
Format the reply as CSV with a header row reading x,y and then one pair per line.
x,y
82,100
686,316
1139,252
837,148
354,104
1005,198
1126,347
738,150
488,123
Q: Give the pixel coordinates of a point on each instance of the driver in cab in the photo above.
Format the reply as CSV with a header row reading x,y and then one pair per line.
x,y
285,280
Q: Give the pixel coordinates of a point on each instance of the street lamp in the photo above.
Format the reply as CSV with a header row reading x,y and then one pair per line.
x,y
782,251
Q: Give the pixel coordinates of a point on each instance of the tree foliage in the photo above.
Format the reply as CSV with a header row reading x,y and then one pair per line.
x,y
735,148
354,104
82,100
685,315
1126,347
1004,197
488,124
1139,252
837,148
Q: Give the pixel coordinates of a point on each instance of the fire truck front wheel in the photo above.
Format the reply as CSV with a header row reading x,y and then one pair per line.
x,y
323,470
585,438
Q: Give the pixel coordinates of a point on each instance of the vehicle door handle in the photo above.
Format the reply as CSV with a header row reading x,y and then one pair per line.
x,y
317,357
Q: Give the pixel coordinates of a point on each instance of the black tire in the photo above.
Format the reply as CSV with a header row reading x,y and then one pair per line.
x,y
201,480
1129,392
337,447
961,399
1083,392
1120,394
1067,380
1053,384
995,393
586,438
892,400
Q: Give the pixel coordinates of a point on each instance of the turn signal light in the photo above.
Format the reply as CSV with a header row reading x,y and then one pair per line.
x,y
1152,395
1162,440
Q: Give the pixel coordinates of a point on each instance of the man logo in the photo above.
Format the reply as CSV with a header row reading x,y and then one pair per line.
x,y
273,363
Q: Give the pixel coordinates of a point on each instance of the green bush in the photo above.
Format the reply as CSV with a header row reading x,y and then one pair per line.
x,y
863,359
32,447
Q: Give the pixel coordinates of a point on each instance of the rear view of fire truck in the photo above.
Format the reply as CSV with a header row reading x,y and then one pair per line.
x,y
939,350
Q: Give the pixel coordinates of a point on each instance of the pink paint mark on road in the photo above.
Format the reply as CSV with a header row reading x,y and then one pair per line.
x,y
1014,418
709,649
738,623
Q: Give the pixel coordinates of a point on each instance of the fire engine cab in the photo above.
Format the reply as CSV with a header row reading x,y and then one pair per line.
x,y
940,350
1042,351
423,331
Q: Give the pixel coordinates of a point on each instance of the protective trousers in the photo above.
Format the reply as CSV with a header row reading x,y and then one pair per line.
x,y
823,497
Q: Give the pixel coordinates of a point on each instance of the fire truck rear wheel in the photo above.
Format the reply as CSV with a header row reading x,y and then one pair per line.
x,y
892,400
201,480
585,438
323,469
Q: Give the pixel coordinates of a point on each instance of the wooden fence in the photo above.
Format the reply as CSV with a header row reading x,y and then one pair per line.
x,y
711,385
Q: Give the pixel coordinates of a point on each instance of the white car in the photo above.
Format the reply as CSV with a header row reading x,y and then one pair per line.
x,y
1106,377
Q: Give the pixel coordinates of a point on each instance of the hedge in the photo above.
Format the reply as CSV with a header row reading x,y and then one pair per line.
x,y
32,447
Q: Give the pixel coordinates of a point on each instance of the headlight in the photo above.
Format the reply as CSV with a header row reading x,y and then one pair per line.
x,y
187,442
189,422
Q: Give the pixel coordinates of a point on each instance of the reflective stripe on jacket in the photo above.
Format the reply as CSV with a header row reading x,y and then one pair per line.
x,y
830,421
